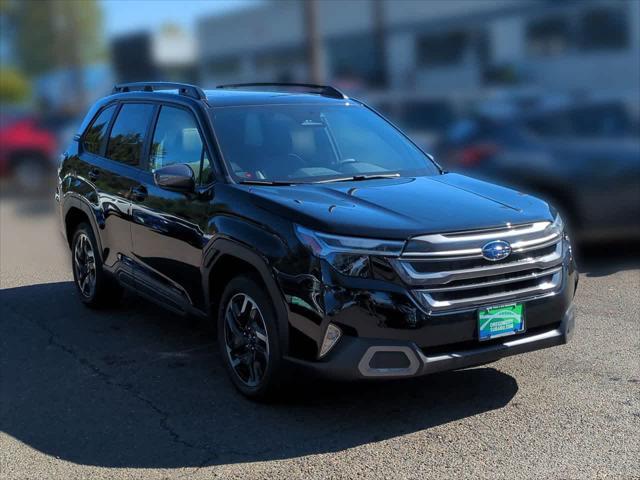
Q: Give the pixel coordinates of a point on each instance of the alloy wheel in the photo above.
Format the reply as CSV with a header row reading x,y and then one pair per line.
x,y
246,339
84,263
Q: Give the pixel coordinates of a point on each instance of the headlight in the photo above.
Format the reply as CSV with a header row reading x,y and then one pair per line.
x,y
348,255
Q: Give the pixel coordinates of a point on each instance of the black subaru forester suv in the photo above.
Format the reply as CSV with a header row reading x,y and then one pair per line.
x,y
311,230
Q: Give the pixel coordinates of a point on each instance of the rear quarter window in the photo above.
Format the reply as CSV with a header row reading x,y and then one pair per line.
x,y
95,135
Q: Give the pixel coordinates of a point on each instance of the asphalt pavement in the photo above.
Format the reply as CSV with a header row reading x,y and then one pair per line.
x,y
136,392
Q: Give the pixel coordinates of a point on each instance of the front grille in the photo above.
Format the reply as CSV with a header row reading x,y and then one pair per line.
x,y
447,272
439,265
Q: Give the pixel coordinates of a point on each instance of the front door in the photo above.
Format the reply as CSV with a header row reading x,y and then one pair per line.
x,y
168,227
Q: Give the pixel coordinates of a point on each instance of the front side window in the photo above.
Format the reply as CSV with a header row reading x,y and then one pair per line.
x,y
177,140
96,133
313,143
127,135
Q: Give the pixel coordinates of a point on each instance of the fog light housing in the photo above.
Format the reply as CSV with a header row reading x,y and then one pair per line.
x,y
331,337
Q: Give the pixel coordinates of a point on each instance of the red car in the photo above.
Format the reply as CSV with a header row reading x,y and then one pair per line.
x,y
27,151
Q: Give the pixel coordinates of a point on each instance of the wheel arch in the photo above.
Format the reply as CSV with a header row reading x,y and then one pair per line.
x,y
76,212
223,260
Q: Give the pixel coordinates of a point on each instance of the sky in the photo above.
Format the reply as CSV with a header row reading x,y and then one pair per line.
x,y
122,16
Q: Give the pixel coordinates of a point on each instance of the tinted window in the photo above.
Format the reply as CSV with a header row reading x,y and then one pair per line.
x,y
127,135
177,140
96,133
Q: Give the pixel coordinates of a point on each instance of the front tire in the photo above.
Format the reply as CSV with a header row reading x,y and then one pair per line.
x,y
248,339
94,286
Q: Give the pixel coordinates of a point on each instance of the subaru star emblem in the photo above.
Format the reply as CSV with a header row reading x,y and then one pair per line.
x,y
496,250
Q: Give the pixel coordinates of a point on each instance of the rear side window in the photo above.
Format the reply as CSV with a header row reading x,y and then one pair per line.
x,y
127,135
95,135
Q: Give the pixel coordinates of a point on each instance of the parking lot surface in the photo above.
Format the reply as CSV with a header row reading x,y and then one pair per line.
x,y
135,392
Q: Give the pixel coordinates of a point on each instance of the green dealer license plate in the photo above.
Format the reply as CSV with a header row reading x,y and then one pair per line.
x,y
500,321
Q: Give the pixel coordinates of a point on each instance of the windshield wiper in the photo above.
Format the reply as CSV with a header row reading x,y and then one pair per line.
x,y
357,178
266,182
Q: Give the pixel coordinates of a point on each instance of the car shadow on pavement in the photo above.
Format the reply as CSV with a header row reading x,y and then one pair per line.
x,y
136,387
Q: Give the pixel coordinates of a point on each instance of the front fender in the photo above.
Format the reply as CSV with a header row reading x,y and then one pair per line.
x,y
222,246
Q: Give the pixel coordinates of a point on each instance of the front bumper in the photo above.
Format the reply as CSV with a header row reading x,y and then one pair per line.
x,y
357,358
388,334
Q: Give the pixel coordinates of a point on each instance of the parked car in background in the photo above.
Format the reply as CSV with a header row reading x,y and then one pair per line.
x,y
27,151
424,119
583,157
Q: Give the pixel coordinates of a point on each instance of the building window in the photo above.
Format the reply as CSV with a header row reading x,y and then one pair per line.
x,y
224,67
355,60
442,49
549,36
604,29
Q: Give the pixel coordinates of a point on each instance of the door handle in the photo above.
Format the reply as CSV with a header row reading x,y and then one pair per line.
x,y
138,193
94,173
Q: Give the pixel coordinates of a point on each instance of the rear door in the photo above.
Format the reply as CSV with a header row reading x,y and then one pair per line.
x,y
168,226
115,174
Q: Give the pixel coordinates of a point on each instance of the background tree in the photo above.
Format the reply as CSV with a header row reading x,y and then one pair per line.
x,y
55,34
14,87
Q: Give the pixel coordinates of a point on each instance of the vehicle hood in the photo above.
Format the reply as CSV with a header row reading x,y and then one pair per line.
x,y
400,208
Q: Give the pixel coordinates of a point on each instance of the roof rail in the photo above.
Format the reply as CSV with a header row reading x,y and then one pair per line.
x,y
183,88
324,90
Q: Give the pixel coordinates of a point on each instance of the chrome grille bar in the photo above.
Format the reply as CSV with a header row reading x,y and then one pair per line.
x,y
411,276
502,281
490,234
492,299
470,245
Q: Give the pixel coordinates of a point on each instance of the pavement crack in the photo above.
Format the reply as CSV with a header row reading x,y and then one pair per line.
x,y
109,380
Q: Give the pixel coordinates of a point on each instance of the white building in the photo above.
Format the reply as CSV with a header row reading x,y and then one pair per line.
x,y
441,47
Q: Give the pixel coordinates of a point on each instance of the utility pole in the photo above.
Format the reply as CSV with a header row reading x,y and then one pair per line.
x,y
314,42
75,61
67,44
379,39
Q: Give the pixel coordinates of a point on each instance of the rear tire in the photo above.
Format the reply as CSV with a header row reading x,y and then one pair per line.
x,y
95,287
248,339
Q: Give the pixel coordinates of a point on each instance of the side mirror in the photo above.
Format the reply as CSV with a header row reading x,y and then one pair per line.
x,y
178,177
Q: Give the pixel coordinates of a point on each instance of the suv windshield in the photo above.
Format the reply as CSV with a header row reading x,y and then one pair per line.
x,y
309,143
